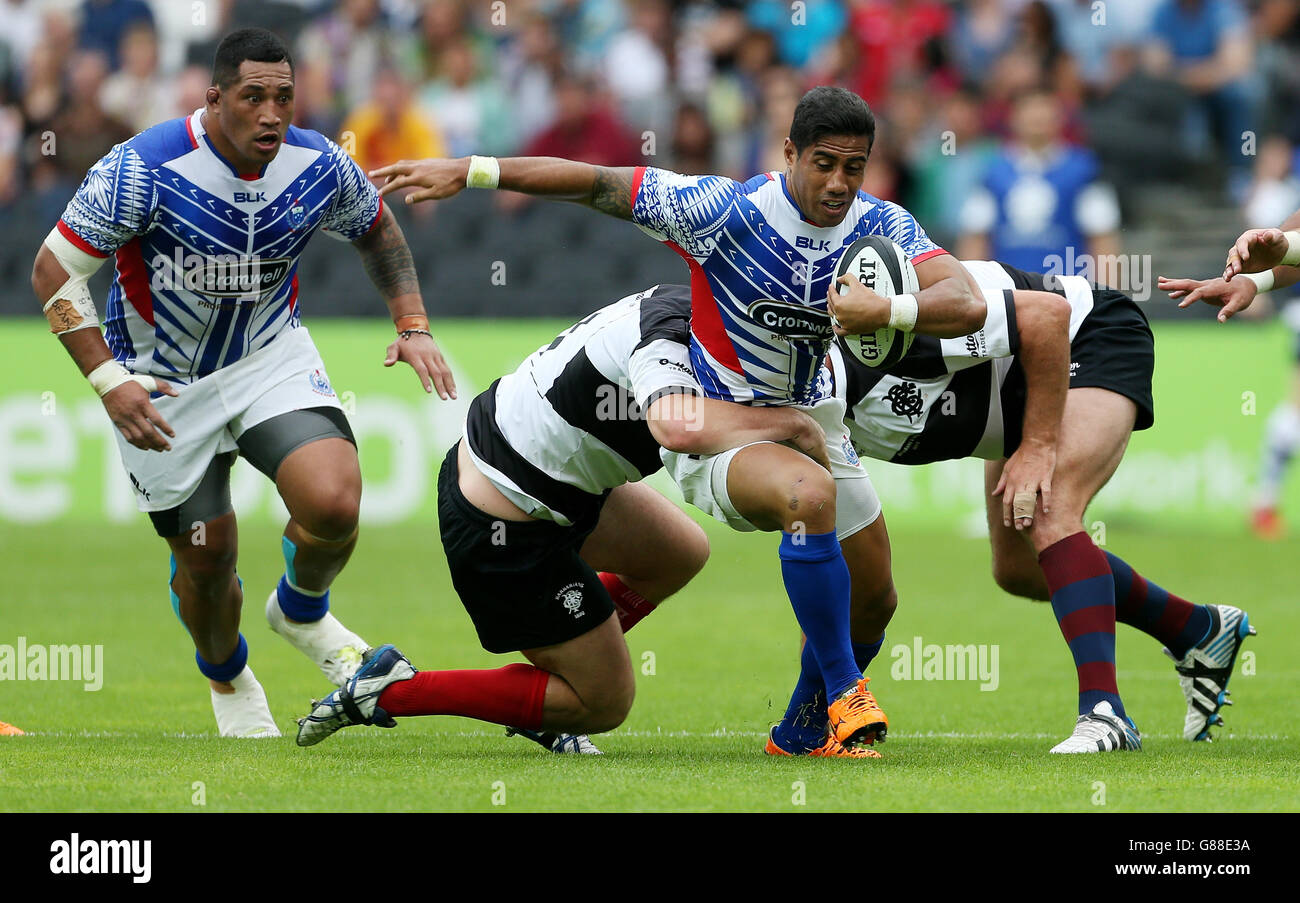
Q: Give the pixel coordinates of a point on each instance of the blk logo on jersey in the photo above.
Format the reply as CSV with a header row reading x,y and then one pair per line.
x,y
792,321
809,244
250,197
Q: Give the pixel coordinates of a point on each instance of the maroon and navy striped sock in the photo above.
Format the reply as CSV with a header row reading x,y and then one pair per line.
x,y
1083,599
1177,623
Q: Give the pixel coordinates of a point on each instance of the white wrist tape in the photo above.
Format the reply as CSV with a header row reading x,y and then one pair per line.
x,y
1292,256
1263,281
70,307
484,172
110,374
902,312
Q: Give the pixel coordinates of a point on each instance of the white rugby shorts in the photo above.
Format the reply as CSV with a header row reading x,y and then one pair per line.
x,y
210,413
702,479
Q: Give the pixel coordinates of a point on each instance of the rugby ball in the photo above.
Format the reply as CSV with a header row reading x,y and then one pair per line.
x,y
881,266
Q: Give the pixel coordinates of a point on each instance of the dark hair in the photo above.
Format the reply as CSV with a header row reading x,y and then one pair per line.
x,y
828,110
256,44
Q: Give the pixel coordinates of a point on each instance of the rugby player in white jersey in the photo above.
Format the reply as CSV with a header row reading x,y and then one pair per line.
x,y
555,547
974,397
762,255
205,356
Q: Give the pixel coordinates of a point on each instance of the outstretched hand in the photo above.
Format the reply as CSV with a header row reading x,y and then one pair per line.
x,y
421,352
1231,297
435,179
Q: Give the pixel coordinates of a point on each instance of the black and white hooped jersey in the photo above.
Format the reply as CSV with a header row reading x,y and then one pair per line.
x,y
943,399
568,425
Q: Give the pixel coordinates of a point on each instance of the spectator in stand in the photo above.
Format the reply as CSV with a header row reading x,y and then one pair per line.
x,y
1040,197
104,22
135,94
20,31
585,128
981,32
351,44
1206,46
637,66
1092,36
471,110
529,67
782,89
895,39
693,142
390,127
191,90
801,32
951,167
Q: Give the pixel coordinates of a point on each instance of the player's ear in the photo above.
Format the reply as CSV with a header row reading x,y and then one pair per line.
x,y
791,154
213,96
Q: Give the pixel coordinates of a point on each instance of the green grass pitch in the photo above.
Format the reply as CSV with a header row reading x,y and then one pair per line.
x,y
715,666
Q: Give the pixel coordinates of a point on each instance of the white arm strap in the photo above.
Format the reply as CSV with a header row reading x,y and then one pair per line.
x,y
71,308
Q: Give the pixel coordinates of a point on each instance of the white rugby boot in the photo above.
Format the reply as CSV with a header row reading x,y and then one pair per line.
x,y
337,651
243,713
1204,671
1100,730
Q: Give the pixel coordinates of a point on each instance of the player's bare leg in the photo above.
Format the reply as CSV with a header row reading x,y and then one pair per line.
x,y
645,548
320,483
591,684
875,599
208,599
1094,435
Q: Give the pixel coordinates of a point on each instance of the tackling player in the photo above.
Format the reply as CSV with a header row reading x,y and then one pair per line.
x,y
204,356
555,547
762,255
972,397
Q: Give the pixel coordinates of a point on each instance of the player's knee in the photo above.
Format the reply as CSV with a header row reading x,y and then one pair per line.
x,y
694,552
333,513
808,501
611,708
208,566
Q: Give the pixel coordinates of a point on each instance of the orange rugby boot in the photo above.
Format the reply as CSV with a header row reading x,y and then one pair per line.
x,y
855,716
831,749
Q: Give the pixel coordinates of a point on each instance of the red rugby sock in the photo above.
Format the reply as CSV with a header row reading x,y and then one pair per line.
x,y
630,605
512,695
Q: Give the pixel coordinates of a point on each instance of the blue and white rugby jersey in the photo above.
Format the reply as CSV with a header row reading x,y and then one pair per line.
x,y
206,259
759,276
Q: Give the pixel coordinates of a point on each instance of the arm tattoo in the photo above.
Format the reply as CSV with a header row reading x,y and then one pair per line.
x,y
612,191
387,259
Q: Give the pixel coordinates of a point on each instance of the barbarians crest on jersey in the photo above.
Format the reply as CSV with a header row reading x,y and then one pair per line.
x,y
320,383
570,596
905,400
297,214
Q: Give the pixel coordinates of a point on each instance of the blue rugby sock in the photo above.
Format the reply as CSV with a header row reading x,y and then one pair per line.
x,y
229,669
817,582
301,605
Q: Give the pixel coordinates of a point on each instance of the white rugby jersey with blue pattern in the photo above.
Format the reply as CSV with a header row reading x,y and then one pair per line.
x,y
206,259
759,276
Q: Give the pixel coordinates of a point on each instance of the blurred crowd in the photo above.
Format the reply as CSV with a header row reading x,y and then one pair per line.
x,y
981,103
